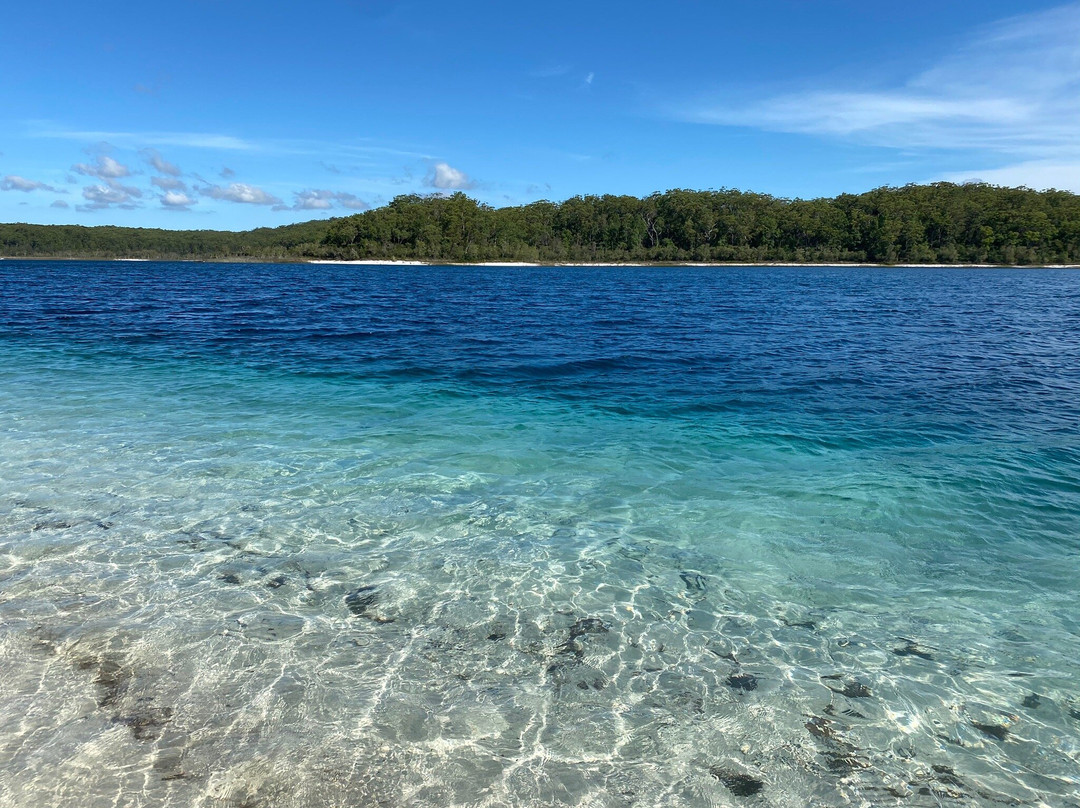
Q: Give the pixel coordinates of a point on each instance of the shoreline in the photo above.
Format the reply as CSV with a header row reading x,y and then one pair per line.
x,y
513,264
533,264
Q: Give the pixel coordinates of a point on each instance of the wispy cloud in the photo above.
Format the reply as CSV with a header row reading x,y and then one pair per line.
x,y
358,148
355,167
447,178
1010,91
549,71
195,140
152,87
168,183
159,163
367,149
13,182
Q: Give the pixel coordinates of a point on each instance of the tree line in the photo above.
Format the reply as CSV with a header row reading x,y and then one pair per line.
x,y
938,223
76,241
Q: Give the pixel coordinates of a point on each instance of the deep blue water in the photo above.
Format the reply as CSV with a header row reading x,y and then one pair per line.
x,y
516,536
975,346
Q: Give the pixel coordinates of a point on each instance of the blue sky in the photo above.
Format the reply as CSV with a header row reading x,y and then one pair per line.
x,y
230,114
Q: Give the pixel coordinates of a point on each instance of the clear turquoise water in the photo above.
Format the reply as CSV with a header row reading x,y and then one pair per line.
x,y
299,536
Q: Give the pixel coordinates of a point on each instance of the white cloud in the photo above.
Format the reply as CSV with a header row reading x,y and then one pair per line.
x,y
240,192
168,183
177,200
59,203
351,201
160,164
100,197
1011,89
589,79
447,178
13,182
104,168
314,200
318,199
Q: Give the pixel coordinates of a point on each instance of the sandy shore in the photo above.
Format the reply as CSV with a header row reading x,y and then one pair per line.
x,y
512,264
372,262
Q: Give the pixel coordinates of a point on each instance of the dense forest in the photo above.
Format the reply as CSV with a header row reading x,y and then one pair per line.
x,y
75,241
939,223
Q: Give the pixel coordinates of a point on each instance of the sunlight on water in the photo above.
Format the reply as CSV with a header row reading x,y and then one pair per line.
x,y
231,584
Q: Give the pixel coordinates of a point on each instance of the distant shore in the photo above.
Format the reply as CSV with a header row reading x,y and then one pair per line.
x,y
372,262
526,264
935,225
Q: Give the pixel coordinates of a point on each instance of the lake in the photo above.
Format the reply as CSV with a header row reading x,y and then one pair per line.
x,y
299,535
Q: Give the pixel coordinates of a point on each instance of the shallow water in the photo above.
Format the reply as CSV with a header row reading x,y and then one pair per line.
x,y
315,535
